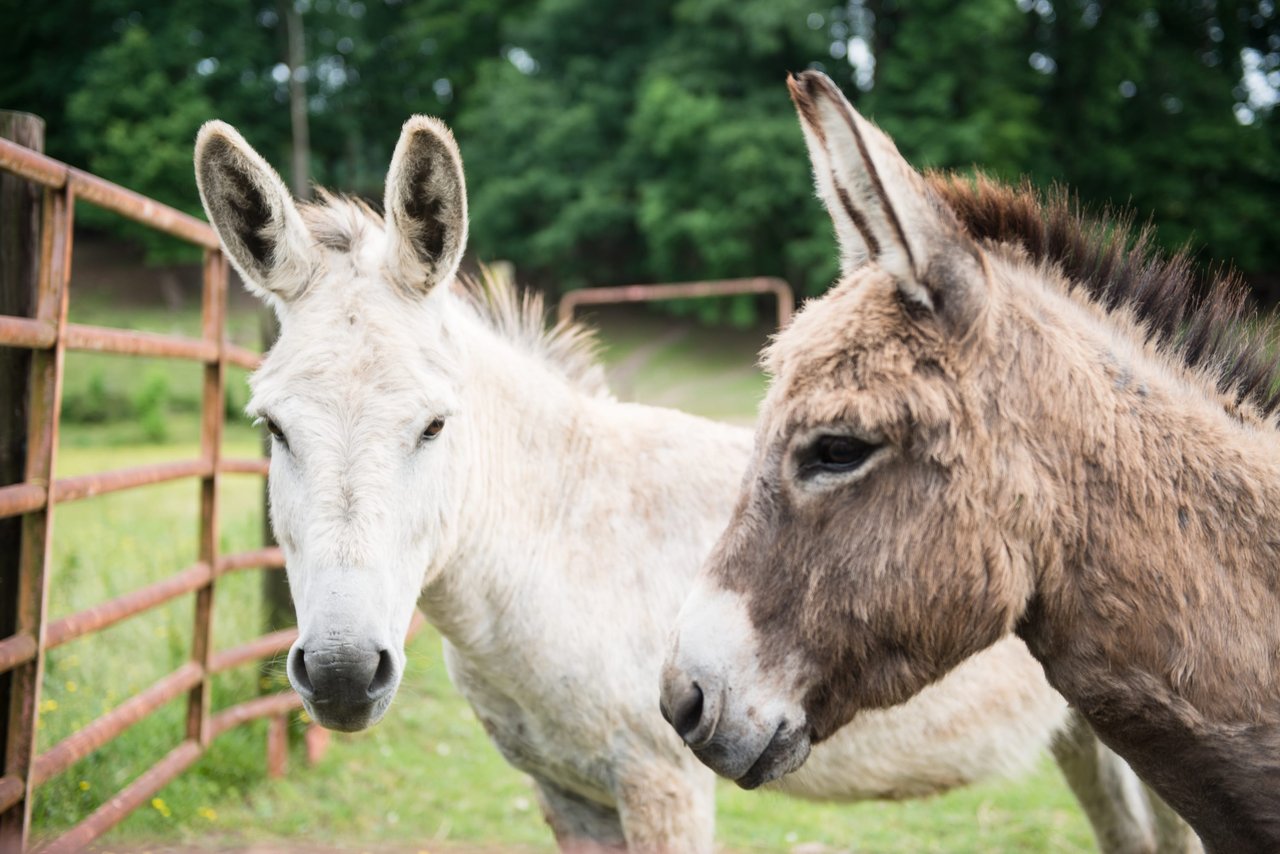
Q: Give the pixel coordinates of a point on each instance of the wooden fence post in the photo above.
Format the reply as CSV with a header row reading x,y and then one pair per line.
x,y
20,215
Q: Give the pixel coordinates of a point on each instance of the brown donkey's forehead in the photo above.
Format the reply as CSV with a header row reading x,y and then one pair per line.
x,y
854,354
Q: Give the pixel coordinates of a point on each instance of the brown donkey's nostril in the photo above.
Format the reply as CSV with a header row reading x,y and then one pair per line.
x,y
688,711
691,706
691,711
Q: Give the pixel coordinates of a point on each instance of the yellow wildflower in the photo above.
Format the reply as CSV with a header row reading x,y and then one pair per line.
x,y
84,785
161,807
207,813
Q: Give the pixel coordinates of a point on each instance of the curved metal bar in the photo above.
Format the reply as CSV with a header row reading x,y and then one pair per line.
x,y
22,498
27,332
268,558
89,485
109,613
681,290
54,174
127,799
81,743
129,342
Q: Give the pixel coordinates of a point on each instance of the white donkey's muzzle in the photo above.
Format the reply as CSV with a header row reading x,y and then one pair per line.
x,y
344,687
347,661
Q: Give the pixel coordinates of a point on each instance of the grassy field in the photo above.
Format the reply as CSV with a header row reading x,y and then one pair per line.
x,y
426,778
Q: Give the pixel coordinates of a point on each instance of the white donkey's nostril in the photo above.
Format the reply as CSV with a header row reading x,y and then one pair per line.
x,y
297,670
384,678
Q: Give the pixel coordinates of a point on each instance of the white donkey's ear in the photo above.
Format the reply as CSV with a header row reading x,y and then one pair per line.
x,y
426,206
253,213
883,210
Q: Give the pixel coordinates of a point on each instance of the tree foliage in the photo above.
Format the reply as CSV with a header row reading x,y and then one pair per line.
x,y
611,143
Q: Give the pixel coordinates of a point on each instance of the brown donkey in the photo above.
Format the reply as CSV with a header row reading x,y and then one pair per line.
x,y
1003,418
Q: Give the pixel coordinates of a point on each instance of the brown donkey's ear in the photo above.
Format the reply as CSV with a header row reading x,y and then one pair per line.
x,y
882,209
253,213
426,206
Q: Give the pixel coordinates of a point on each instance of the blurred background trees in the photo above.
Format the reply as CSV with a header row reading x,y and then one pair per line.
x,y
612,143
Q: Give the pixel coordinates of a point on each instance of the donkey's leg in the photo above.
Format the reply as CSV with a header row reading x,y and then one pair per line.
x,y
1173,834
668,809
1110,794
581,826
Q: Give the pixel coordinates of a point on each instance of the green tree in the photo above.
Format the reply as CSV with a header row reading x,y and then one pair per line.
x,y
131,142
609,143
1145,98
953,84
647,142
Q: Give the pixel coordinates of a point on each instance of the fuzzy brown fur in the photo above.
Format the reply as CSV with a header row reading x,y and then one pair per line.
x,y
1204,317
1070,440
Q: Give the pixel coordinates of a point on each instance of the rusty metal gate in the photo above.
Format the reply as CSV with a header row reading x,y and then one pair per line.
x,y
49,336
781,291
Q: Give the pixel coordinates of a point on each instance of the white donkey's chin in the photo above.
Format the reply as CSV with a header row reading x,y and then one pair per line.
x,y
730,707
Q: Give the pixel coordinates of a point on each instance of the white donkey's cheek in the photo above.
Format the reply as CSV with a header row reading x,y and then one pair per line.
x,y
283,492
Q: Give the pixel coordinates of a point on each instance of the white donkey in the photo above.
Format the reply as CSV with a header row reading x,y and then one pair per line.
x,y
434,441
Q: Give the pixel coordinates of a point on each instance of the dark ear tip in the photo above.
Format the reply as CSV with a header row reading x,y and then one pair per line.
x,y
798,89
818,84
811,85
214,133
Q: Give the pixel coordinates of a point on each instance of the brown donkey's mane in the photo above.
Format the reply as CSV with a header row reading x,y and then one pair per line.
x,y
1204,319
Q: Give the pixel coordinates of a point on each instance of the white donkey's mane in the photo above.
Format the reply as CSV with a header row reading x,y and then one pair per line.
x,y
344,224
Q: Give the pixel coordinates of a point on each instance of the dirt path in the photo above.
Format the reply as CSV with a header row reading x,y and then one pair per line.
x,y
622,375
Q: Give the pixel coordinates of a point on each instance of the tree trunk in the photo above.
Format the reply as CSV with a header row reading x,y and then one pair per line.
x,y
300,166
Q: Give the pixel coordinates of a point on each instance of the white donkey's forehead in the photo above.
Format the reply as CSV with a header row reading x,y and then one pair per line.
x,y
353,341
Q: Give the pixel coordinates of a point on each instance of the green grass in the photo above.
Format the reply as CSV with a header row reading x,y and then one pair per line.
x,y
137,399
426,776
706,371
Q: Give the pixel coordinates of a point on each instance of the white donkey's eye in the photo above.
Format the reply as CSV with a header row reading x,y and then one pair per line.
x,y
274,429
433,429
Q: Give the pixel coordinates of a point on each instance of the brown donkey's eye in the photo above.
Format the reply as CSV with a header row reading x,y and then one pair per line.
x,y
836,454
433,430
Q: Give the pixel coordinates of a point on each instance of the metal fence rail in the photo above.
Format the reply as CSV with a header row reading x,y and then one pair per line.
x,y
779,288
49,336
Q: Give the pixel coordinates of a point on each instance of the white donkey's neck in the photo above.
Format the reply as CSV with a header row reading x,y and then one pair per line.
x,y
567,499
512,441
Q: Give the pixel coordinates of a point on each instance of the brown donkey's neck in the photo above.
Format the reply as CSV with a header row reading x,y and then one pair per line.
x,y
1157,594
